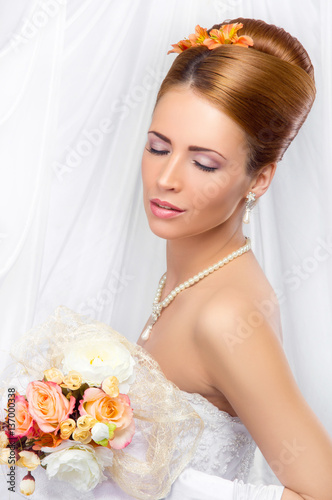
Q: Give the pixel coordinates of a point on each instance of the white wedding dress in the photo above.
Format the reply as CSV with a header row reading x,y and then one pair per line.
x,y
226,448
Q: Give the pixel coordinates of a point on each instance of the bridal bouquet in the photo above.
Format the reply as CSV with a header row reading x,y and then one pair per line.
x,y
78,394
70,421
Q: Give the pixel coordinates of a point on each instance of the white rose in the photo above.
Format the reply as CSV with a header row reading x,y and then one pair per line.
x,y
99,432
98,359
80,465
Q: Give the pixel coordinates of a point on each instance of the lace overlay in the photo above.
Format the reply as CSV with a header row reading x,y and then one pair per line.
x,y
226,448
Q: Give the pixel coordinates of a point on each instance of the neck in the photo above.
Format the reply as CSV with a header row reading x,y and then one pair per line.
x,y
188,256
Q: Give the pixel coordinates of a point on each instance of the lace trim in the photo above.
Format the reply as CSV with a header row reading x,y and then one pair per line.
x,y
196,398
226,448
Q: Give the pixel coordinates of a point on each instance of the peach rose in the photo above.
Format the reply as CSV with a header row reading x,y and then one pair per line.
x,y
106,409
47,405
23,418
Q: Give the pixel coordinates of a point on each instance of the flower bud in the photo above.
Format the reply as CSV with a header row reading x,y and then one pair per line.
x,y
28,459
27,485
4,441
72,381
85,422
4,456
53,375
66,428
101,433
83,436
111,386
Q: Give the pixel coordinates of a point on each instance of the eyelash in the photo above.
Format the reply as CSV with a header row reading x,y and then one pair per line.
x,y
199,165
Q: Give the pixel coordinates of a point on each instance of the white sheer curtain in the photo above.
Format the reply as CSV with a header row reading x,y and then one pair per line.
x,y
78,84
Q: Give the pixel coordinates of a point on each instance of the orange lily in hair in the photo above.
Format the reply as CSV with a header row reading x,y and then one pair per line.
x,y
180,46
227,35
199,36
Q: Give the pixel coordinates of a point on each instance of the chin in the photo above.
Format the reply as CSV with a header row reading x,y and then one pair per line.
x,y
165,233
168,232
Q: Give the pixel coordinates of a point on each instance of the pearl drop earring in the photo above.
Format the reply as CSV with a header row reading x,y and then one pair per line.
x,y
251,198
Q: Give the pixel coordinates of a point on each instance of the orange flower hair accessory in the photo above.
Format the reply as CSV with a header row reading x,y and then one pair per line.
x,y
226,34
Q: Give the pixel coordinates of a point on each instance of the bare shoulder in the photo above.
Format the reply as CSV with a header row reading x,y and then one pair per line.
x,y
230,330
245,361
235,313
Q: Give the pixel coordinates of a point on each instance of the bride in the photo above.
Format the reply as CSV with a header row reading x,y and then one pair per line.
x,y
225,114
233,100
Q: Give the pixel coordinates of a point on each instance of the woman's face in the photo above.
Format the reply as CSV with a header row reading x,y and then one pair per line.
x,y
194,159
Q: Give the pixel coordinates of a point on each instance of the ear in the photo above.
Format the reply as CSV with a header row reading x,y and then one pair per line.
x,y
263,179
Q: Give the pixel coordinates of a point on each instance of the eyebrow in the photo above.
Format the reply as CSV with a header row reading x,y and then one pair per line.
x,y
191,148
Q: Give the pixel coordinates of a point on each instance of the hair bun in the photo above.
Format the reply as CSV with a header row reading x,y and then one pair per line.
x,y
275,41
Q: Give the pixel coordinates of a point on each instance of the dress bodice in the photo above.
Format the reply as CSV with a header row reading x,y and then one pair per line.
x,y
226,448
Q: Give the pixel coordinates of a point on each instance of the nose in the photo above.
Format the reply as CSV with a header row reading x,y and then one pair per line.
x,y
170,174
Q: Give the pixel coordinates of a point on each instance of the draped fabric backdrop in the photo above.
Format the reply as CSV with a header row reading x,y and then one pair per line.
x,y
78,84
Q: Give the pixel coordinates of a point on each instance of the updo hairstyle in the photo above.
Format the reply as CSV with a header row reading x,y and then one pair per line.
x,y
267,89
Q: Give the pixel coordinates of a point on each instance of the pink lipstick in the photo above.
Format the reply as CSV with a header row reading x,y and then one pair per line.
x,y
158,209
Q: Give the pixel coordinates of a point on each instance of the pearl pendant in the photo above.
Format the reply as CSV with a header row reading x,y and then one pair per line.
x,y
246,218
146,334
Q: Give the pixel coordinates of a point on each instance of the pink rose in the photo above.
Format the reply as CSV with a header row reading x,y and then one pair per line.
x,y
47,405
106,409
23,419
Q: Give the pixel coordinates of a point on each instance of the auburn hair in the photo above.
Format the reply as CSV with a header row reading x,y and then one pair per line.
x,y
267,89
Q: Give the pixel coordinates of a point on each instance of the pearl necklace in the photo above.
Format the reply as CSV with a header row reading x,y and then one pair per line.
x,y
158,306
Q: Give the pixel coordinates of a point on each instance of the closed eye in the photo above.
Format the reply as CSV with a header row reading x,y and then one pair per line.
x,y
157,151
203,167
165,152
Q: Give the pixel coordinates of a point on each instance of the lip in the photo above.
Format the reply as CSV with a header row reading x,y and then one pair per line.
x,y
164,213
166,204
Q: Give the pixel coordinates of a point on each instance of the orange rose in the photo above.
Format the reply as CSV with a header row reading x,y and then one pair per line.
x,y
106,409
48,439
47,405
23,419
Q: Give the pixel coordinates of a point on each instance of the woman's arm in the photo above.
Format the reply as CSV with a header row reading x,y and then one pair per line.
x,y
248,365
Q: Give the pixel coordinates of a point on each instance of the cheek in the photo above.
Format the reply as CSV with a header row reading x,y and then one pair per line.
x,y
214,193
